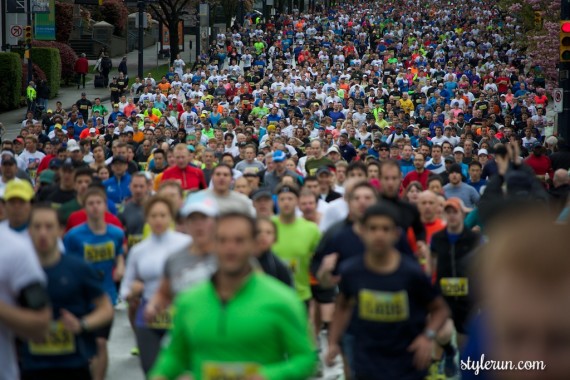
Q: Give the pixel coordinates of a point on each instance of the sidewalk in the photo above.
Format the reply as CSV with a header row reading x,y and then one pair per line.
x,y
69,95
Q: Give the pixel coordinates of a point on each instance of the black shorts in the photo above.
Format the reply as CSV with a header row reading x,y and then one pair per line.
x,y
58,374
322,295
103,332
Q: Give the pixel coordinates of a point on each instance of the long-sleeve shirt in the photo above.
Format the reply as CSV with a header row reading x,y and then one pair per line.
x,y
147,258
262,330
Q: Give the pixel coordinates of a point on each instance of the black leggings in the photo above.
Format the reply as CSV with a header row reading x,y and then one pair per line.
x,y
148,342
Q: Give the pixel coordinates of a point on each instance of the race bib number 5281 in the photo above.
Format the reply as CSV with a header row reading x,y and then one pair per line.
x,y
94,253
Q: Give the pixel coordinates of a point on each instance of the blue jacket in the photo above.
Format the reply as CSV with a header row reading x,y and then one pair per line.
x,y
118,189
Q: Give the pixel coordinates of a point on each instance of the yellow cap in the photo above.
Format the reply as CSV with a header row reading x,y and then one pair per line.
x,y
19,189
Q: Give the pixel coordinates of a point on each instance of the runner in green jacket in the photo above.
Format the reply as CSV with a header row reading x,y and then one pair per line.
x,y
240,324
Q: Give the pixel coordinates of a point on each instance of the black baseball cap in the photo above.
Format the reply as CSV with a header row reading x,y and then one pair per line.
x,y
261,193
119,160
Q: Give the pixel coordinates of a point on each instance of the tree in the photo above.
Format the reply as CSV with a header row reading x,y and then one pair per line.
x,y
115,12
539,42
231,8
169,12
63,21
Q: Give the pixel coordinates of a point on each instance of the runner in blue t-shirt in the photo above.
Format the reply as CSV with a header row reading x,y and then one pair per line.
x,y
100,245
79,306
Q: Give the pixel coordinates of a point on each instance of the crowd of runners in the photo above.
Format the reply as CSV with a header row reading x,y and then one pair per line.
x,y
344,185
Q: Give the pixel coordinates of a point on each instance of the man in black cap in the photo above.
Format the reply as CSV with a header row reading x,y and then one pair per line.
x,y
84,105
263,203
64,190
458,189
117,187
8,168
325,178
115,90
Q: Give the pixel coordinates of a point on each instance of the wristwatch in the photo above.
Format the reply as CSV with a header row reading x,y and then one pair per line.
x,y
430,334
83,325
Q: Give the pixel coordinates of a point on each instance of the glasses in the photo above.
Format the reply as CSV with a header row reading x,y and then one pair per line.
x,y
384,149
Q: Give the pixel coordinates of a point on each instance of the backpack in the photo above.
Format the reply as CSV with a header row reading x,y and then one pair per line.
x,y
107,63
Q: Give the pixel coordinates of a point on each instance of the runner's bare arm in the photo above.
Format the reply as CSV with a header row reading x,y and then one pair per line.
x,y
160,300
341,318
30,321
99,317
119,268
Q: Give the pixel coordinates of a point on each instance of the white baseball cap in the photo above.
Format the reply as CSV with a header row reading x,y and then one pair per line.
x,y
200,203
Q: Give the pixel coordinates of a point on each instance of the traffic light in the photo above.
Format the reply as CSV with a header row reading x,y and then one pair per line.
x,y
538,20
28,35
565,41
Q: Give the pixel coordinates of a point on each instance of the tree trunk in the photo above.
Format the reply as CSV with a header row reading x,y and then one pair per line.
x,y
174,37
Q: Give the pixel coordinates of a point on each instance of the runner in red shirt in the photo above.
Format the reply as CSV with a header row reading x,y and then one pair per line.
x,y
190,178
420,174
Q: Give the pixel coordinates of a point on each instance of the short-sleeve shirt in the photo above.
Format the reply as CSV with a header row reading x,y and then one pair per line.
x,y
72,285
19,268
184,270
296,244
99,251
389,313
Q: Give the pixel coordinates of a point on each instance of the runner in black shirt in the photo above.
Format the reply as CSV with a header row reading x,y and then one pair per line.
x,y
386,298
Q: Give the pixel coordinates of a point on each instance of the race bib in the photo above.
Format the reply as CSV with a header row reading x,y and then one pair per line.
x,y
94,253
380,306
229,371
162,321
59,341
134,239
454,286
293,264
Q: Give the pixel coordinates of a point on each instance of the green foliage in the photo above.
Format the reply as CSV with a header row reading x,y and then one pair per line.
x,y
115,12
10,67
63,21
67,57
49,61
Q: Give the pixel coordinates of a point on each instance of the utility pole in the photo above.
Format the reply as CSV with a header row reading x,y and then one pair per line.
x,y
29,41
564,71
3,22
141,5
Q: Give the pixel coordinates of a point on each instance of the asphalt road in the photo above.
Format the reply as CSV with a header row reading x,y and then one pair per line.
x,y
122,365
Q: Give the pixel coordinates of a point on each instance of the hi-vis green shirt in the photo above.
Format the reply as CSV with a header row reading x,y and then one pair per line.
x,y
262,330
31,93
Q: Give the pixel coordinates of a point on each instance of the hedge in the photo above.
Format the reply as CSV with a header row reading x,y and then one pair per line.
x,y
49,61
67,58
10,90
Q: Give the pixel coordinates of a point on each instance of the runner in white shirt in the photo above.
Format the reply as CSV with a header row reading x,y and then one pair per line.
x,y
24,302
